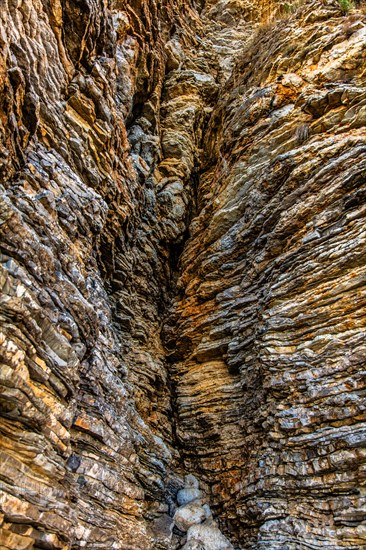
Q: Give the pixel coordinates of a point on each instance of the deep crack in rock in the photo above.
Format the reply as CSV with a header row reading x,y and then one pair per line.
x,y
183,274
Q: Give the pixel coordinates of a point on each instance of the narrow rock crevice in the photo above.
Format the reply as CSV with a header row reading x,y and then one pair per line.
x,y
182,274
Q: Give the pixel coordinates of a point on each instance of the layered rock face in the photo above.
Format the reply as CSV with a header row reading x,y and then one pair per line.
x,y
271,321
183,274
87,445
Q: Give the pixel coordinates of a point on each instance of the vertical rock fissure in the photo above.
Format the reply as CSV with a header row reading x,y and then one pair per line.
x,y
166,133
182,274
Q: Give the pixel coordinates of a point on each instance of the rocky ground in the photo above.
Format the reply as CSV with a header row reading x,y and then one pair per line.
x,y
183,274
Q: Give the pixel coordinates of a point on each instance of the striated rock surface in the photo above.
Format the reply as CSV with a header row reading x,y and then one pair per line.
x,y
271,319
183,274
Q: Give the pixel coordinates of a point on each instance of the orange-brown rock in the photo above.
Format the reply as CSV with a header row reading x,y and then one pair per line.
x,y
183,274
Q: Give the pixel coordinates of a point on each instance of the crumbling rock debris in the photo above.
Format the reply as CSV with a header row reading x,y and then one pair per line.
x,y
182,274
195,518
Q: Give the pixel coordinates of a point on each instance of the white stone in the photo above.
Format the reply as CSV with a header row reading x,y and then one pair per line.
x,y
191,514
206,536
190,492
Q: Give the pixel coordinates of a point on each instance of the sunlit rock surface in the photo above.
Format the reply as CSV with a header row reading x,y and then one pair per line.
x,y
183,274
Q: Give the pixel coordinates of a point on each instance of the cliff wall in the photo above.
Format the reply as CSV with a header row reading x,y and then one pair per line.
x,y
183,273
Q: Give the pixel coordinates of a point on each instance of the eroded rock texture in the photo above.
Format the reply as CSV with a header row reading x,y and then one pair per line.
x,y
183,274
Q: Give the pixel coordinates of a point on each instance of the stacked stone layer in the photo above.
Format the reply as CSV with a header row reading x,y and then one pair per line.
x,y
183,273
270,393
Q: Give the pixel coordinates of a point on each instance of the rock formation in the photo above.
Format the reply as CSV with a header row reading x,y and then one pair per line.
x,y
183,274
194,517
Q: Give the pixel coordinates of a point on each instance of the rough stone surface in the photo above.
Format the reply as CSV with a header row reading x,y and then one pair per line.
x,y
190,491
208,536
182,274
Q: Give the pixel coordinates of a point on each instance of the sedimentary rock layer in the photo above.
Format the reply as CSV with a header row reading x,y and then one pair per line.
x,y
183,273
270,384
80,466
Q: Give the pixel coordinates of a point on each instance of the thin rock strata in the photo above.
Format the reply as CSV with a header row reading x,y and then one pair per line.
x,y
271,318
96,198
183,274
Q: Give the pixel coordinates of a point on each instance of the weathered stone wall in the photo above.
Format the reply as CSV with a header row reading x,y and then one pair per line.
x,y
182,273
80,466
272,315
